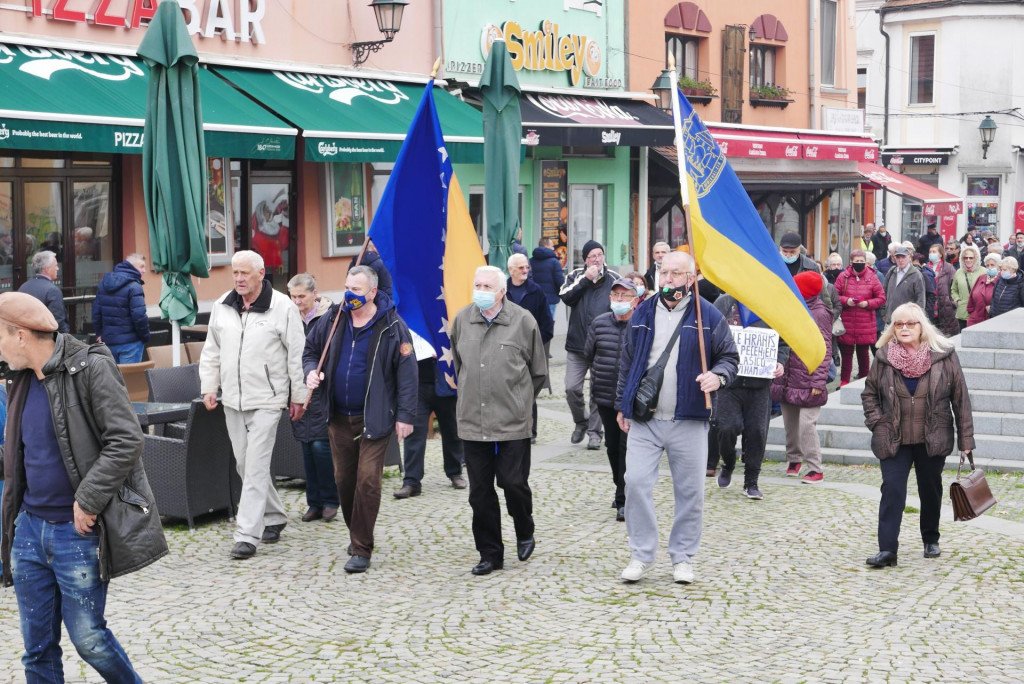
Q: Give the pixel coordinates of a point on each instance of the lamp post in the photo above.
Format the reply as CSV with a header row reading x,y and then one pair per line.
x,y
987,128
664,88
389,21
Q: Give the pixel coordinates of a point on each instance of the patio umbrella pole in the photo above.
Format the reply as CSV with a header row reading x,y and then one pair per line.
x,y
334,325
175,343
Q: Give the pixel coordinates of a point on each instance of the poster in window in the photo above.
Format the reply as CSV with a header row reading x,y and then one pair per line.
x,y
348,220
216,217
983,186
554,206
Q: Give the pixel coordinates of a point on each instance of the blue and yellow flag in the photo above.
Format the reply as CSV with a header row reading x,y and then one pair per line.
x,y
425,236
733,248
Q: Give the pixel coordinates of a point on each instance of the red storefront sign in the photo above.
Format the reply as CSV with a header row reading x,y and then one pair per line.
x,y
757,144
1018,216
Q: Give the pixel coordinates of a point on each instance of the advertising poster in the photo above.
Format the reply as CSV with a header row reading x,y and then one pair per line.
x,y
554,206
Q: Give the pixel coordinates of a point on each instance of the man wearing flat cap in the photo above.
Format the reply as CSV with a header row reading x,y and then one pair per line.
x,y
585,292
77,507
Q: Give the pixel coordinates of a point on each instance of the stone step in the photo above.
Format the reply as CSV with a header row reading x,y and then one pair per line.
x,y
1001,379
856,438
975,357
994,401
987,338
985,423
774,452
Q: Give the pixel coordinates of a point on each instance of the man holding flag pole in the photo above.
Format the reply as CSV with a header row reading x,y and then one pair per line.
x,y
663,394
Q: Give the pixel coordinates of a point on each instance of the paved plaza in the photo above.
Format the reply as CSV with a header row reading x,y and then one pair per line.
x,y
782,592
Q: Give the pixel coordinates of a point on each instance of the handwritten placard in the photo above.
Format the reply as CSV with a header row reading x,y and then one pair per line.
x,y
759,350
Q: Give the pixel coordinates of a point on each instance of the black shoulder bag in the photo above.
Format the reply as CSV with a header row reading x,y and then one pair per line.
x,y
645,402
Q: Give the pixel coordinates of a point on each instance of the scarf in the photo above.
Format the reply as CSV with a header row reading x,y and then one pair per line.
x,y
912,364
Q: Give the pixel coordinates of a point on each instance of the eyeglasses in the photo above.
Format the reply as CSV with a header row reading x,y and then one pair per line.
x,y
967,258
900,325
623,296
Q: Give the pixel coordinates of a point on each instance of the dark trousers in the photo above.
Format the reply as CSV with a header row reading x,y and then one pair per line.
x,y
358,465
741,411
321,489
509,464
615,443
895,472
863,361
416,443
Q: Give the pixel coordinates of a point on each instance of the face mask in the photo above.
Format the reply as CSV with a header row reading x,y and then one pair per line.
x,y
933,257
1007,275
790,259
621,308
858,267
674,294
354,301
992,272
483,299
640,290
1020,245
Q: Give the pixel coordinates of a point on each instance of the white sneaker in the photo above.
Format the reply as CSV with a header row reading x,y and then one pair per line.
x,y
682,573
635,570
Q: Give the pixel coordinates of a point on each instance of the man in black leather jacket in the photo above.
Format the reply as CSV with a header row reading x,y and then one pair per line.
x,y
78,509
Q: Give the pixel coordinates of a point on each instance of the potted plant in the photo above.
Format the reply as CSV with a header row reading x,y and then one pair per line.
x,y
697,90
769,91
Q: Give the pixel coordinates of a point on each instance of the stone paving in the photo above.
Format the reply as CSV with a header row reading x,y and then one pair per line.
x,y
782,593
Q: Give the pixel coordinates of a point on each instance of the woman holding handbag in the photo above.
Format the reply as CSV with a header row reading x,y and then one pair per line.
x,y
913,395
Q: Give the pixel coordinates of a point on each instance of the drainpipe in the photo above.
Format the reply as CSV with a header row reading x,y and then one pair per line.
x,y
885,110
439,31
812,6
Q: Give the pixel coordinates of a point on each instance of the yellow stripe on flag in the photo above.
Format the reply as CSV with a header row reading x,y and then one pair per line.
x,y
462,253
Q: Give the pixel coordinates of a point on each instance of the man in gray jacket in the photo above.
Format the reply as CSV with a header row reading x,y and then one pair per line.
x,y
253,354
903,283
501,366
77,506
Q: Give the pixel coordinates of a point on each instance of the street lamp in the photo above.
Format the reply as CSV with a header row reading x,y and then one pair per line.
x,y
664,88
987,128
389,21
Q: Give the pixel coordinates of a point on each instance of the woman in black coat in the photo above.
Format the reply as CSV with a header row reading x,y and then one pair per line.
x,y
1009,292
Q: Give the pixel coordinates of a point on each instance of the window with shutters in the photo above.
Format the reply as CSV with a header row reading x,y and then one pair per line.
x,y
922,69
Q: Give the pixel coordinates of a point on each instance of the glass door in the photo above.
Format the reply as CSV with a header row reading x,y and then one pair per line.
x,y
586,219
270,233
43,226
6,239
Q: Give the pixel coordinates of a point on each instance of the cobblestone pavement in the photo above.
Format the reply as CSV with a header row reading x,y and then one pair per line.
x,y
782,594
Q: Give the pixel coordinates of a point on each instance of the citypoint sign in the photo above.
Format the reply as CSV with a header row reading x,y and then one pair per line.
x,y
545,49
206,18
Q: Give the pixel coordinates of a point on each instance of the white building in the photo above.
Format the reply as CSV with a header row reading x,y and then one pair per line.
x,y
929,72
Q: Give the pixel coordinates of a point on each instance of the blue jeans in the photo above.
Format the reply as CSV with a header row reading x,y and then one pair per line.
x,y
127,353
57,575
321,491
554,308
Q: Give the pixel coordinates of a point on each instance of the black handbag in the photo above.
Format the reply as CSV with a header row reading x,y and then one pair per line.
x,y
645,401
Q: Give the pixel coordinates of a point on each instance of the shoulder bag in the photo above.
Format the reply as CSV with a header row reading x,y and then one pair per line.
x,y
970,494
645,401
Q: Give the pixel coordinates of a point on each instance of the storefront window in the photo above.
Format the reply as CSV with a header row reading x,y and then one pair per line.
x,y
94,247
44,222
219,239
840,223
347,215
983,186
478,216
41,163
6,243
913,220
271,225
983,203
6,162
586,219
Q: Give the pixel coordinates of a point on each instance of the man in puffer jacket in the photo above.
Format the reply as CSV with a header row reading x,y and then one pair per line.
x,y
119,311
603,351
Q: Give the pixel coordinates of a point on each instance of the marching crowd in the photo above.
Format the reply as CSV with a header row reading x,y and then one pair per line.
x,y
664,379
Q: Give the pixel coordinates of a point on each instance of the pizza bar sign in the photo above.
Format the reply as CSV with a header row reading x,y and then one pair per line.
x,y
207,18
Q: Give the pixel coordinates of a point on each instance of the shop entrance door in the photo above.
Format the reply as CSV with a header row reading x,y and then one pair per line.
x,y
586,220
270,225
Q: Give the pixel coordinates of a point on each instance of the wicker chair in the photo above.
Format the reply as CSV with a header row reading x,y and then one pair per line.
x,y
191,476
173,385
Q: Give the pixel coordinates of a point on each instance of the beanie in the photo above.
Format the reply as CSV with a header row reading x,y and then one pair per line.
x,y
589,246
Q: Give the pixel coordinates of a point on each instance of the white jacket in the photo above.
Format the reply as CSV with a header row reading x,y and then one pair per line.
x,y
254,357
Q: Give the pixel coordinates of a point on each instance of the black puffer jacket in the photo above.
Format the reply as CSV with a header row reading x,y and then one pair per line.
x,y
603,351
1008,295
101,445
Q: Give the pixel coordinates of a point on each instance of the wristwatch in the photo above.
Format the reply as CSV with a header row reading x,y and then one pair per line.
x,y
721,379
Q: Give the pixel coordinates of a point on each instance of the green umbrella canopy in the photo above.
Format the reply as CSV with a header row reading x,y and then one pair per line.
x,y
503,132
174,162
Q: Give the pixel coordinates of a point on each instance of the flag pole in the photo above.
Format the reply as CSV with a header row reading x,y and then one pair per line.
x,y
684,191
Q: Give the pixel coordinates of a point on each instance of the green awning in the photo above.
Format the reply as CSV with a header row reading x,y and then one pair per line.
x,y
346,119
71,101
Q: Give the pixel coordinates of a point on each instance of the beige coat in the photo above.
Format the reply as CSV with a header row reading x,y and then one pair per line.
x,y
500,369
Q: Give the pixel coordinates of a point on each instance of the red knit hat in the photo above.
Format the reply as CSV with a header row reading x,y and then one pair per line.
x,y
809,283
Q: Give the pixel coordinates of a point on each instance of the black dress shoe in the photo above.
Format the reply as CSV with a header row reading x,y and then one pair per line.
x,y
243,550
407,491
932,551
524,548
486,567
357,564
882,559
620,514
272,533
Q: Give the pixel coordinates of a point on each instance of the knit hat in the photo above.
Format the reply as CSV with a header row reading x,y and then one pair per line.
x,y
25,311
589,246
809,283
791,240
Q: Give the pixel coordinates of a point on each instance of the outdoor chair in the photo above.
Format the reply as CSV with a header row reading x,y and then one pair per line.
x,y
162,356
191,476
195,350
134,379
173,385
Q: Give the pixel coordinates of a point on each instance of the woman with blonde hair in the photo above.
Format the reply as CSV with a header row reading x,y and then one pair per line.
x,y
968,273
914,394
833,267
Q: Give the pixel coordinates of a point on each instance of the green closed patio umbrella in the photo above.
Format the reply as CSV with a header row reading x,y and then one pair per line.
x,y
503,134
174,166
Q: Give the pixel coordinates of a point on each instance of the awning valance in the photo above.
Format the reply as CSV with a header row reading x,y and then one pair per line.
x,y
346,119
567,120
936,202
71,101
754,143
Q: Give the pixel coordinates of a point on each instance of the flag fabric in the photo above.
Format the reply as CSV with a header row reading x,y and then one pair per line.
x,y
732,246
425,236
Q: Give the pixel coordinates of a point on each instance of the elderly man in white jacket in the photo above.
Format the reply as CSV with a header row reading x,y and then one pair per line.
x,y
253,354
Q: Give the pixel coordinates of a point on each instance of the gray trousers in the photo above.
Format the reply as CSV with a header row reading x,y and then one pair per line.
x,y
686,442
253,434
802,443
576,367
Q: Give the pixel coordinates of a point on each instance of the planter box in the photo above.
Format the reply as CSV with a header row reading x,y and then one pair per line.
x,y
780,103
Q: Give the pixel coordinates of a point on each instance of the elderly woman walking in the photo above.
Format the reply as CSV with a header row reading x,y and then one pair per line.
x,y
945,308
980,301
861,294
968,273
1009,290
914,394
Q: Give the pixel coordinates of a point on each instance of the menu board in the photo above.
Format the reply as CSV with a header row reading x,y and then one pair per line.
x,y
554,205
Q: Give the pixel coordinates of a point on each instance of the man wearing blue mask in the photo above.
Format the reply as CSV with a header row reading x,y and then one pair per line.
x,y
370,378
790,246
501,365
